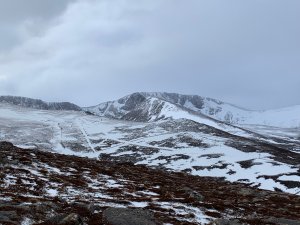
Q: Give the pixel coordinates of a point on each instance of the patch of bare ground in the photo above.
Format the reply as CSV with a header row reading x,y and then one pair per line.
x,y
46,188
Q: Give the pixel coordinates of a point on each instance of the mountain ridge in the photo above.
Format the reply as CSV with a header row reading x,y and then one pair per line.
x,y
212,108
147,106
38,104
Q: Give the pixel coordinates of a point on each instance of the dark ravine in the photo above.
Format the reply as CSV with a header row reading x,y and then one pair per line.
x,y
38,187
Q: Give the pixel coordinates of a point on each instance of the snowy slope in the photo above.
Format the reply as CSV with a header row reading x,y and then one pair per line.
x,y
284,117
138,107
205,147
149,104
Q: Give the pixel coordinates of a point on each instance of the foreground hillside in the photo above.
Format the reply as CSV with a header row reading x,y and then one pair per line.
x,y
46,188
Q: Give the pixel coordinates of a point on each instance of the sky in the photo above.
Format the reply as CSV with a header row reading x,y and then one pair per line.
x,y
90,51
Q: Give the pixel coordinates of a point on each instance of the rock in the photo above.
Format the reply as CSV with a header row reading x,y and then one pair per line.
x,y
127,216
245,192
86,208
3,160
226,222
193,194
282,221
44,206
65,219
8,217
5,144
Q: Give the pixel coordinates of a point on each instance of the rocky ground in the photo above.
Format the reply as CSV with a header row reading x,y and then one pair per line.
x,y
38,187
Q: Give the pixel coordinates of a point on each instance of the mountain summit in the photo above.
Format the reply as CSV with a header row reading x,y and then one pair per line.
x,y
151,106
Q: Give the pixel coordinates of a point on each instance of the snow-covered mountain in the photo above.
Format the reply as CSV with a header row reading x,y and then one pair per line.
x,y
38,104
147,106
196,144
154,106
176,132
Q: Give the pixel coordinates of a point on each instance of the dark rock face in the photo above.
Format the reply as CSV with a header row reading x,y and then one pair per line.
x,y
133,101
126,216
143,110
197,101
38,104
179,99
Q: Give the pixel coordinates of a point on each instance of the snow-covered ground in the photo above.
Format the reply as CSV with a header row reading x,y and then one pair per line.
x,y
173,144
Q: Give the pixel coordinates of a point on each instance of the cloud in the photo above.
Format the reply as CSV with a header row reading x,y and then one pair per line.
x,y
21,19
243,52
3,77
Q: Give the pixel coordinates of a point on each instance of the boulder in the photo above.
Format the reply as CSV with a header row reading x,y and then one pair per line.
x,y
128,216
282,221
65,219
193,194
226,222
8,217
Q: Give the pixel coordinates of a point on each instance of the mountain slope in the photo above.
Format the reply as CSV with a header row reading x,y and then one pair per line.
x,y
142,106
284,117
38,104
135,107
45,188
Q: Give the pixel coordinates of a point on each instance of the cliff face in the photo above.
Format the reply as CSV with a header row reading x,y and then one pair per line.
x,y
39,187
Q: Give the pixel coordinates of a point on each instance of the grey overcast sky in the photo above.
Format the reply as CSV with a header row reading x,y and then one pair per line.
x,y
89,51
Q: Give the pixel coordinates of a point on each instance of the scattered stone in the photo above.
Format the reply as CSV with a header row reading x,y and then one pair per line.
x,y
226,222
127,216
193,194
8,217
246,191
282,221
88,186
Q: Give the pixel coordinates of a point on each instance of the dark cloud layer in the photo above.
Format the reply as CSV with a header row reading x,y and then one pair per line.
x,y
89,51
19,19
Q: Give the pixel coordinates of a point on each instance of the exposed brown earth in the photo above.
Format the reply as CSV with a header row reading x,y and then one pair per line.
x,y
38,187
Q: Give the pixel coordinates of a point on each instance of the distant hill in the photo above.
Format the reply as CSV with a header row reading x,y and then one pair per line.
x,y
38,104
